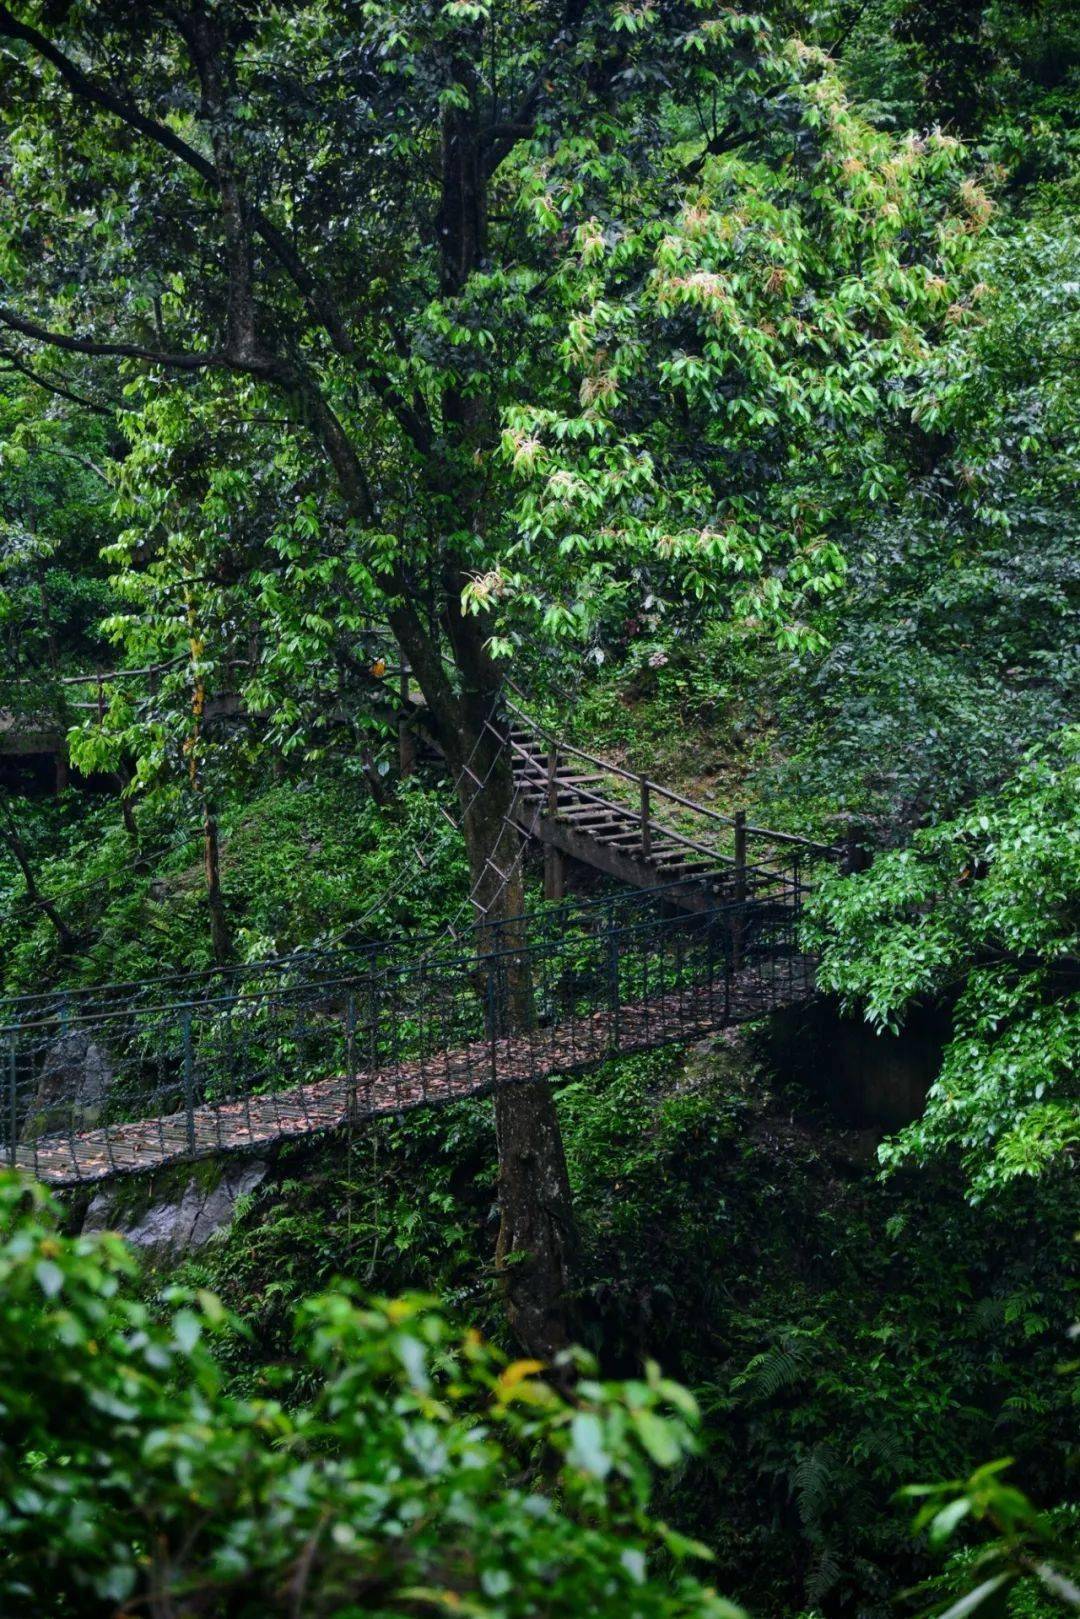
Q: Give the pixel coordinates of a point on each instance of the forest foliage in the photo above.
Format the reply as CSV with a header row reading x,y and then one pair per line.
x,y
726,398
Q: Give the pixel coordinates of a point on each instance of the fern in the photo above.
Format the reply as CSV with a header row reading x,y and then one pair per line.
x,y
886,1447
771,1371
823,1576
813,1484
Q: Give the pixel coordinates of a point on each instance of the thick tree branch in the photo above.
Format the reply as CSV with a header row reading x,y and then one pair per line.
x,y
11,362
102,96
314,292
422,653
184,360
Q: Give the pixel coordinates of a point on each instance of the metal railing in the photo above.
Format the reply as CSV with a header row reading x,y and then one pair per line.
x,y
731,849
119,1079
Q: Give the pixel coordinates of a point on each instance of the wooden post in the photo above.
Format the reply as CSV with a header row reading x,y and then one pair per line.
x,y
13,1104
554,873
615,1030
646,829
189,1078
553,780
856,857
740,856
350,1055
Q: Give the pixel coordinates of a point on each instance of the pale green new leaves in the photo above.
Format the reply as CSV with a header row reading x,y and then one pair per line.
x,y
740,342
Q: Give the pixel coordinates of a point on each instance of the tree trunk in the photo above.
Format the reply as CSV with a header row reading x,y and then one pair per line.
x,y
10,835
535,1254
219,927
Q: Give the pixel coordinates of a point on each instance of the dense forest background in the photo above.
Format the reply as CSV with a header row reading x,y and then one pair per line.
x,y
879,631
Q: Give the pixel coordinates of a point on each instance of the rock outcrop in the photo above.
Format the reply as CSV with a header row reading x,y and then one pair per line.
x,y
176,1212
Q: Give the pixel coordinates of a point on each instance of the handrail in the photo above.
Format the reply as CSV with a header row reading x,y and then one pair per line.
x,y
546,914
466,964
833,850
830,850
419,969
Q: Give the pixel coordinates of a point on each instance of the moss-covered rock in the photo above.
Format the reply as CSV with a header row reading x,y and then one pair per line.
x,y
181,1208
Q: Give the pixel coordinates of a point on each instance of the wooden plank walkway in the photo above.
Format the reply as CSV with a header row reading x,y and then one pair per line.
x,y
256,1121
643,834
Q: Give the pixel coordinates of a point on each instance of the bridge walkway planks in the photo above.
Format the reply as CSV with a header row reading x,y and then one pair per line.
x,y
324,1104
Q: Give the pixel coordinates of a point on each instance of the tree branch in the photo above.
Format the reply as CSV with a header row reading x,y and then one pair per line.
x,y
307,284
10,835
191,360
11,362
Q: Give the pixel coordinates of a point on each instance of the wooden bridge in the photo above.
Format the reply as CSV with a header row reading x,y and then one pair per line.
x,y
639,832
131,1077
703,935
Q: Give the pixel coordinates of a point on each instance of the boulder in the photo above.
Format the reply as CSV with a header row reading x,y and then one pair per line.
x,y
194,1208
73,1083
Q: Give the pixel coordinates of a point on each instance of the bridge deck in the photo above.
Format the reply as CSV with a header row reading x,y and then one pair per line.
x,y
471,1070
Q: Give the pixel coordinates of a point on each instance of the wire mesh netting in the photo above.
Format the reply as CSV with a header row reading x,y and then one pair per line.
x,y
128,1077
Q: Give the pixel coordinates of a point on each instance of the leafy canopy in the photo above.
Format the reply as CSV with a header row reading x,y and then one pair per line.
x,y
653,342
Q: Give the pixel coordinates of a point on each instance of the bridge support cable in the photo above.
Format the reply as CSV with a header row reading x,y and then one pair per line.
x,y
104,1083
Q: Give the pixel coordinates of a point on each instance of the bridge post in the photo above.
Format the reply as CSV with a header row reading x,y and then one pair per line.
x,y
350,1054
646,830
493,1014
554,866
554,873
189,1078
615,1033
740,855
13,1103
739,874
372,1012
856,855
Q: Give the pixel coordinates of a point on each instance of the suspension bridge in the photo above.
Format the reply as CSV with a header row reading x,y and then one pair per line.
x,y
135,1076
701,934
